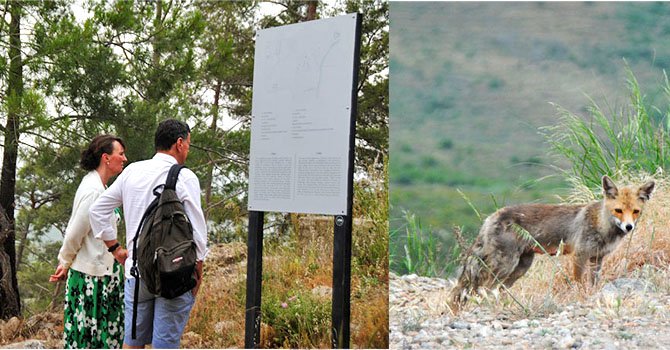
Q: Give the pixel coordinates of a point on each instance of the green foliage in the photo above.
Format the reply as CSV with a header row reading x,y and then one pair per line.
x,y
370,248
496,83
628,140
446,144
372,119
299,319
41,262
429,161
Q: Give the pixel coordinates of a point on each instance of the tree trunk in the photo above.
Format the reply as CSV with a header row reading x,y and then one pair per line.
x,y
10,304
311,10
158,25
22,246
212,127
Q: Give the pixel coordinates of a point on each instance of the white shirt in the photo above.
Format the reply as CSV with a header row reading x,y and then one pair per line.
x,y
134,189
81,251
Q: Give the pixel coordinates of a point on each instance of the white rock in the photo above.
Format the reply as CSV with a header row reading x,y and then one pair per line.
x,y
520,324
497,325
484,331
566,342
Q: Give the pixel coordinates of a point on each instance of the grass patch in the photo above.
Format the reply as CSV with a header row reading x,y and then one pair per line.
x,y
613,142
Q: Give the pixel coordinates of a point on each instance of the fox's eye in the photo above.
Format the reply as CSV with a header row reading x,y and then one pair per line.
x,y
635,211
618,211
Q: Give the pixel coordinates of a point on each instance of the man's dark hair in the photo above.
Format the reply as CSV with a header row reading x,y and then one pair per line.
x,y
168,132
91,156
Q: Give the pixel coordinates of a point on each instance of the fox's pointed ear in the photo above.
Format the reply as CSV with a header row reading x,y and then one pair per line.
x,y
645,190
609,188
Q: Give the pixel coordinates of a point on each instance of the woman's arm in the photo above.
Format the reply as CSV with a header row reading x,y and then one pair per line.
x,y
76,230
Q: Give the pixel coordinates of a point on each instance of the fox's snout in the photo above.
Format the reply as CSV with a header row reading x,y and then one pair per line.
x,y
627,226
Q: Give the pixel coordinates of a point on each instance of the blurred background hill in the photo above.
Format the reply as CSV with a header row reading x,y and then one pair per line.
x,y
473,83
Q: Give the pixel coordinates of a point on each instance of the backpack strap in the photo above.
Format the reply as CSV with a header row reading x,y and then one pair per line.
x,y
133,270
173,174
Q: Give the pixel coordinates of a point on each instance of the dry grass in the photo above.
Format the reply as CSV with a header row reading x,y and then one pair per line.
x,y
296,299
645,254
217,318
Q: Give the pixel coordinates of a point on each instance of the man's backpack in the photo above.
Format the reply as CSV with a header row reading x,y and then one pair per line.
x,y
164,255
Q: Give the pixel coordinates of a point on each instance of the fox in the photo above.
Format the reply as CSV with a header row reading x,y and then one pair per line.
x,y
502,252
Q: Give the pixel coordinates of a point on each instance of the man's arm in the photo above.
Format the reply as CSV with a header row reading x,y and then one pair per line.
x,y
99,215
193,210
191,200
102,209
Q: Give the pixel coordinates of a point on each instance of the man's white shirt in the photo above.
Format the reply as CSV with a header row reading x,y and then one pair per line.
x,y
134,190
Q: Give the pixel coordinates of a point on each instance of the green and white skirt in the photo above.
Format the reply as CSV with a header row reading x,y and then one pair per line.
x,y
93,315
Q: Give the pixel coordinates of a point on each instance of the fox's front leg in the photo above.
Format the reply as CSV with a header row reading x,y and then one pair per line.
x,y
578,265
596,264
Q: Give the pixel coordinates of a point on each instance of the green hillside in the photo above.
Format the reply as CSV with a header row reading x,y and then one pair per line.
x,y
472,83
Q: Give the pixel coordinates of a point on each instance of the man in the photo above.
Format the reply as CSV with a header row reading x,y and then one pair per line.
x,y
160,321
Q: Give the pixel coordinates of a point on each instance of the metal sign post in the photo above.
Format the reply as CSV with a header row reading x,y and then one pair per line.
x,y
341,283
341,312
252,327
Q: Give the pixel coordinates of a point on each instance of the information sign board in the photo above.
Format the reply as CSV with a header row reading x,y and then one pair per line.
x,y
301,117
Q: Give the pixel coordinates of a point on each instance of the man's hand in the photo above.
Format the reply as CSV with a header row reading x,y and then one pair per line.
x,y
120,255
198,276
59,275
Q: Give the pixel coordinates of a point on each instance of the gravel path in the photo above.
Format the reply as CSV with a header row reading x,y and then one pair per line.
x,y
627,313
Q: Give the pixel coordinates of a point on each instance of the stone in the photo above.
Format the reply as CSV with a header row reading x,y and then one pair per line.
x,y
10,329
497,325
642,323
520,324
566,342
28,344
322,291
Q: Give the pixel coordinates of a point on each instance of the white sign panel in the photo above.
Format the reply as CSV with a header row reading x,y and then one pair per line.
x,y
301,117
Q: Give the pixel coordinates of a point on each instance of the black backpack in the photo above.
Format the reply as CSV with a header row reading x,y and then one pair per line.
x,y
164,254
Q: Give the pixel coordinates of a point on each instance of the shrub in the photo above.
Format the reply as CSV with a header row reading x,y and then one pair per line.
x,y
446,144
297,318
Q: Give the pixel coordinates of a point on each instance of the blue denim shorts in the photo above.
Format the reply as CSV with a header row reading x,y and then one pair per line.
x,y
160,321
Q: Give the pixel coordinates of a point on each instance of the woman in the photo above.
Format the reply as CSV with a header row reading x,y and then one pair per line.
x,y
93,316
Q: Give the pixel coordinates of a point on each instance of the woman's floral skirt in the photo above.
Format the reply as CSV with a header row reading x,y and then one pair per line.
x,y
93,315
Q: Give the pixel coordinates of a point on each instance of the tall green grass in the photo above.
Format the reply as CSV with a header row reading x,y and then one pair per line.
x,y
630,139
421,250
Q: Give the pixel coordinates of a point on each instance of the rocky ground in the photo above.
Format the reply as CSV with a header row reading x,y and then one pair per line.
x,y
626,313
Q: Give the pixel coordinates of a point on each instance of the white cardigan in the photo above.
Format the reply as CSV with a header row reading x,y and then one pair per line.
x,y
81,251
